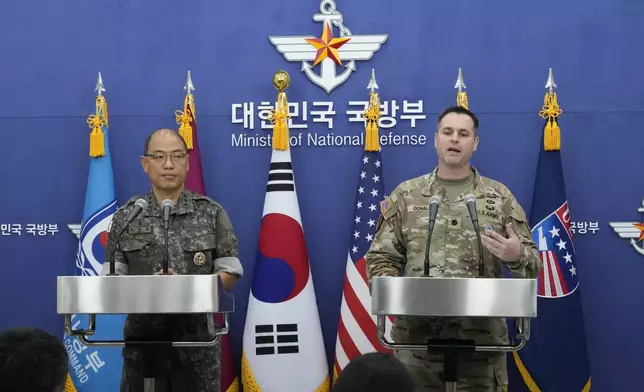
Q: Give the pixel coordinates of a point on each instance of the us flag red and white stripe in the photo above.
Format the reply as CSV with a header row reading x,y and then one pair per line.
x,y
357,332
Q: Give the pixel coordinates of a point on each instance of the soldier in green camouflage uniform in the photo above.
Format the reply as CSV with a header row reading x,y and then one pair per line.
x,y
398,249
201,240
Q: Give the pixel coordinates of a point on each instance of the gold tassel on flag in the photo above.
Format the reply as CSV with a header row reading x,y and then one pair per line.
x,y
372,117
96,122
279,116
461,96
550,111
184,119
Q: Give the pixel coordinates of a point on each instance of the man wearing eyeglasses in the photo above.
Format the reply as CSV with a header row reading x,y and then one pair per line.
x,y
201,240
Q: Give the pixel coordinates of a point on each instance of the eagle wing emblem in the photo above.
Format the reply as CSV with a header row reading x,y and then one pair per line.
x,y
360,47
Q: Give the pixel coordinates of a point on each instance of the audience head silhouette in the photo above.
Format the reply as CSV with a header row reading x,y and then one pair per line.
x,y
32,360
374,372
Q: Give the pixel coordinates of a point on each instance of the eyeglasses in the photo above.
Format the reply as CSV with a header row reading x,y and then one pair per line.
x,y
160,158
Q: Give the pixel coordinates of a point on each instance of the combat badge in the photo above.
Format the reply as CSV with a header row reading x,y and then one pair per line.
x,y
199,258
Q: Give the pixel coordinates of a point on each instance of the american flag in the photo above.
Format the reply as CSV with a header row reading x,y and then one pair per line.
x,y
357,332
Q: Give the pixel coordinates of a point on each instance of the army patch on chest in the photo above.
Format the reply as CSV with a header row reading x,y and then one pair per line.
x,y
417,208
489,214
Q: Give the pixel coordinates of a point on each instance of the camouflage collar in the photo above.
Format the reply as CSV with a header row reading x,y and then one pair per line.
x,y
432,187
184,204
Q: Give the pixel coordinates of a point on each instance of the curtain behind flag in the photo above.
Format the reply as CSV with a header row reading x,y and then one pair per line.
x,y
96,369
283,350
555,358
195,183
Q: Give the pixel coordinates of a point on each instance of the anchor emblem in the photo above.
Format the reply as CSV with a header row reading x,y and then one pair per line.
x,y
631,230
329,51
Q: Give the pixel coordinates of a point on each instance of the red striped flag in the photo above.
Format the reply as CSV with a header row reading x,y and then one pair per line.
x,y
194,182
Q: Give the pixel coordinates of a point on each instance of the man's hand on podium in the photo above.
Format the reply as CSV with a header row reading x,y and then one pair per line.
x,y
506,249
228,280
170,272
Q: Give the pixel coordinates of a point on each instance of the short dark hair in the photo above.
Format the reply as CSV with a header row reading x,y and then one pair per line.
x,y
31,360
460,110
374,372
149,138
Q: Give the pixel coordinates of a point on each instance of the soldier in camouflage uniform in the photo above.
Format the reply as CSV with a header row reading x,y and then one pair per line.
x,y
201,240
398,249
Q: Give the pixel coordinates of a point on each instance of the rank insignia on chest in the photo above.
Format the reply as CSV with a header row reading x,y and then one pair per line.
x,y
199,258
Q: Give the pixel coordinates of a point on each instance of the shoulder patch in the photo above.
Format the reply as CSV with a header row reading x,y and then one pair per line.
x,y
517,212
388,207
385,205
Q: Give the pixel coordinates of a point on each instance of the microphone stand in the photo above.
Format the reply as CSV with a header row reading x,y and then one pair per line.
x,y
166,227
480,246
111,250
429,240
434,203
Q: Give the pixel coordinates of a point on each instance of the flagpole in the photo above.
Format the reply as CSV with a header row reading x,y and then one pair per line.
x,y
551,111
461,96
99,207
282,331
358,335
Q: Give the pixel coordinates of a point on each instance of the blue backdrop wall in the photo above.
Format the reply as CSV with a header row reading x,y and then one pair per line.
x,y
51,54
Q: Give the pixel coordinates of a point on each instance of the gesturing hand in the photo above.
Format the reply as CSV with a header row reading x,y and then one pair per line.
x,y
506,249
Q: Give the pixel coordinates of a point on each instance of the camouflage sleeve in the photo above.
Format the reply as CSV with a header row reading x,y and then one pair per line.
x,y
529,263
227,252
121,266
387,254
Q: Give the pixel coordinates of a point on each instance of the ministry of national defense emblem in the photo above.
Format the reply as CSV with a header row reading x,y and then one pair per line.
x,y
329,51
633,231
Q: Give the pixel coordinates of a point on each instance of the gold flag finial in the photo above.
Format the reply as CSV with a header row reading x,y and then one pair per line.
x,y
184,118
97,121
550,111
461,96
372,116
279,116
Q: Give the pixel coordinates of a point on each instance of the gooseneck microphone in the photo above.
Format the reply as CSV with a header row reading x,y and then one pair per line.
x,y
139,206
470,201
434,203
167,207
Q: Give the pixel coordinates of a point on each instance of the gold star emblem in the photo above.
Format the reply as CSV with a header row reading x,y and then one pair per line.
x,y
640,226
327,46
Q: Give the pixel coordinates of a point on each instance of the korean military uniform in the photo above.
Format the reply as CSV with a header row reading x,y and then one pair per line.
x,y
201,240
398,249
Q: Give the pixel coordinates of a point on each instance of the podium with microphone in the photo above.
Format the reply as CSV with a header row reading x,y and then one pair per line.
x,y
163,294
476,297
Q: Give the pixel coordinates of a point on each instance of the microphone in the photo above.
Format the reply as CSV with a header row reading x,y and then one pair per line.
x,y
139,206
470,201
434,203
167,207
